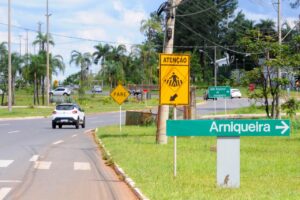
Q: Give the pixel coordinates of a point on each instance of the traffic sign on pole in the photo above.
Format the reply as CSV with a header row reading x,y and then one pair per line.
x,y
228,128
119,94
219,92
174,79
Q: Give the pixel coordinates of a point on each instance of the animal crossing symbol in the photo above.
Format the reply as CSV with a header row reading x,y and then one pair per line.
x,y
174,81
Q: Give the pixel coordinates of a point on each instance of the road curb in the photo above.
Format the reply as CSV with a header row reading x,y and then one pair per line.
x,y
120,172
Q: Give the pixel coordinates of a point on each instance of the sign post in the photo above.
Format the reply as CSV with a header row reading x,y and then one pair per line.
x,y
228,134
174,85
119,95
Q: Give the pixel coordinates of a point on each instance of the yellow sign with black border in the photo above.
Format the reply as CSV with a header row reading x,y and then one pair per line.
x,y
174,79
119,94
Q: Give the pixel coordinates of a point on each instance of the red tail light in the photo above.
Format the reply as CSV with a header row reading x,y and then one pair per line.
x,y
54,112
74,111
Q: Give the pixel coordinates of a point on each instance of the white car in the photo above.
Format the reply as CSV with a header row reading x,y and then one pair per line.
x,y
97,89
60,91
68,114
1,92
235,93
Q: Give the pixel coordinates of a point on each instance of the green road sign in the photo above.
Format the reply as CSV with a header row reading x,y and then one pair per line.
x,y
219,92
229,128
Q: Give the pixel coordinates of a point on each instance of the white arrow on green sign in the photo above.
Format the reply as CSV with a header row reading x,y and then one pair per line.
x,y
228,128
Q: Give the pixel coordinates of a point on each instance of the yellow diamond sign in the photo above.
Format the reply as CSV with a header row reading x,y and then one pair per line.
x,y
119,94
174,79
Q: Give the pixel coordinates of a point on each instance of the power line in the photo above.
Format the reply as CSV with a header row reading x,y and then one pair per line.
x,y
201,11
225,48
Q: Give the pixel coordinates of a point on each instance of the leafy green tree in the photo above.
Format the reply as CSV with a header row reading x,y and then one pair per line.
x,y
266,78
73,79
3,69
84,61
101,53
113,73
17,62
41,40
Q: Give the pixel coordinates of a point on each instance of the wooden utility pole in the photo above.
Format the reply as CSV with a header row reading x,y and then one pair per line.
x,y
163,110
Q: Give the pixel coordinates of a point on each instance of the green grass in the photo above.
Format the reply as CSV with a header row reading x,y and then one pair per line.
x,y
94,103
248,110
270,166
25,112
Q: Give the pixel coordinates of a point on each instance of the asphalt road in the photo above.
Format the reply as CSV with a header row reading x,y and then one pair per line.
x,y
209,106
41,163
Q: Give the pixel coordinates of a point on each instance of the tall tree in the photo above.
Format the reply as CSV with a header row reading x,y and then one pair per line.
x,y
84,61
41,40
102,51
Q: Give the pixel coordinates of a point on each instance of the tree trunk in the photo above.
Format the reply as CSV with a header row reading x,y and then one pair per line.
x,y
43,89
34,90
2,99
13,90
37,93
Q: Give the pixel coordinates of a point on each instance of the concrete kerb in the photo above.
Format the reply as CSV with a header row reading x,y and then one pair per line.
x,y
121,172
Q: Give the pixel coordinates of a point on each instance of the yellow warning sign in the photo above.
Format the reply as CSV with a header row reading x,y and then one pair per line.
x,y
119,94
174,79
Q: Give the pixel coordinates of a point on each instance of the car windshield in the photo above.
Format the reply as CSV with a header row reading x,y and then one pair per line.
x,y
64,107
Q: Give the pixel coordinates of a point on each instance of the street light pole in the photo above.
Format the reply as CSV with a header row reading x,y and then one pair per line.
x,y
215,64
279,70
48,73
9,58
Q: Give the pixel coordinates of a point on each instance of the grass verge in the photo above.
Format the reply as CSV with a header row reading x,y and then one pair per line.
x,y
270,166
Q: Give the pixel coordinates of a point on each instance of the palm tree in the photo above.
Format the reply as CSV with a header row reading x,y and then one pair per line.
x,y
41,40
150,27
101,52
113,72
117,53
84,61
57,64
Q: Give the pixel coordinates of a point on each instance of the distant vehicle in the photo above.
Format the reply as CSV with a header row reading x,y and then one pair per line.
x,y
97,89
235,93
60,91
1,92
206,96
135,92
68,114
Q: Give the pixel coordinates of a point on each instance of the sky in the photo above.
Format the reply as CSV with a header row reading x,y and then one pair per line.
x,y
111,21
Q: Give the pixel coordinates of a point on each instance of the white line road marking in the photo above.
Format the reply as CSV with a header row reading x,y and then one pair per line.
x,y
58,142
4,124
5,163
34,158
74,135
17,131
42,165
82,166
10,181
3,192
